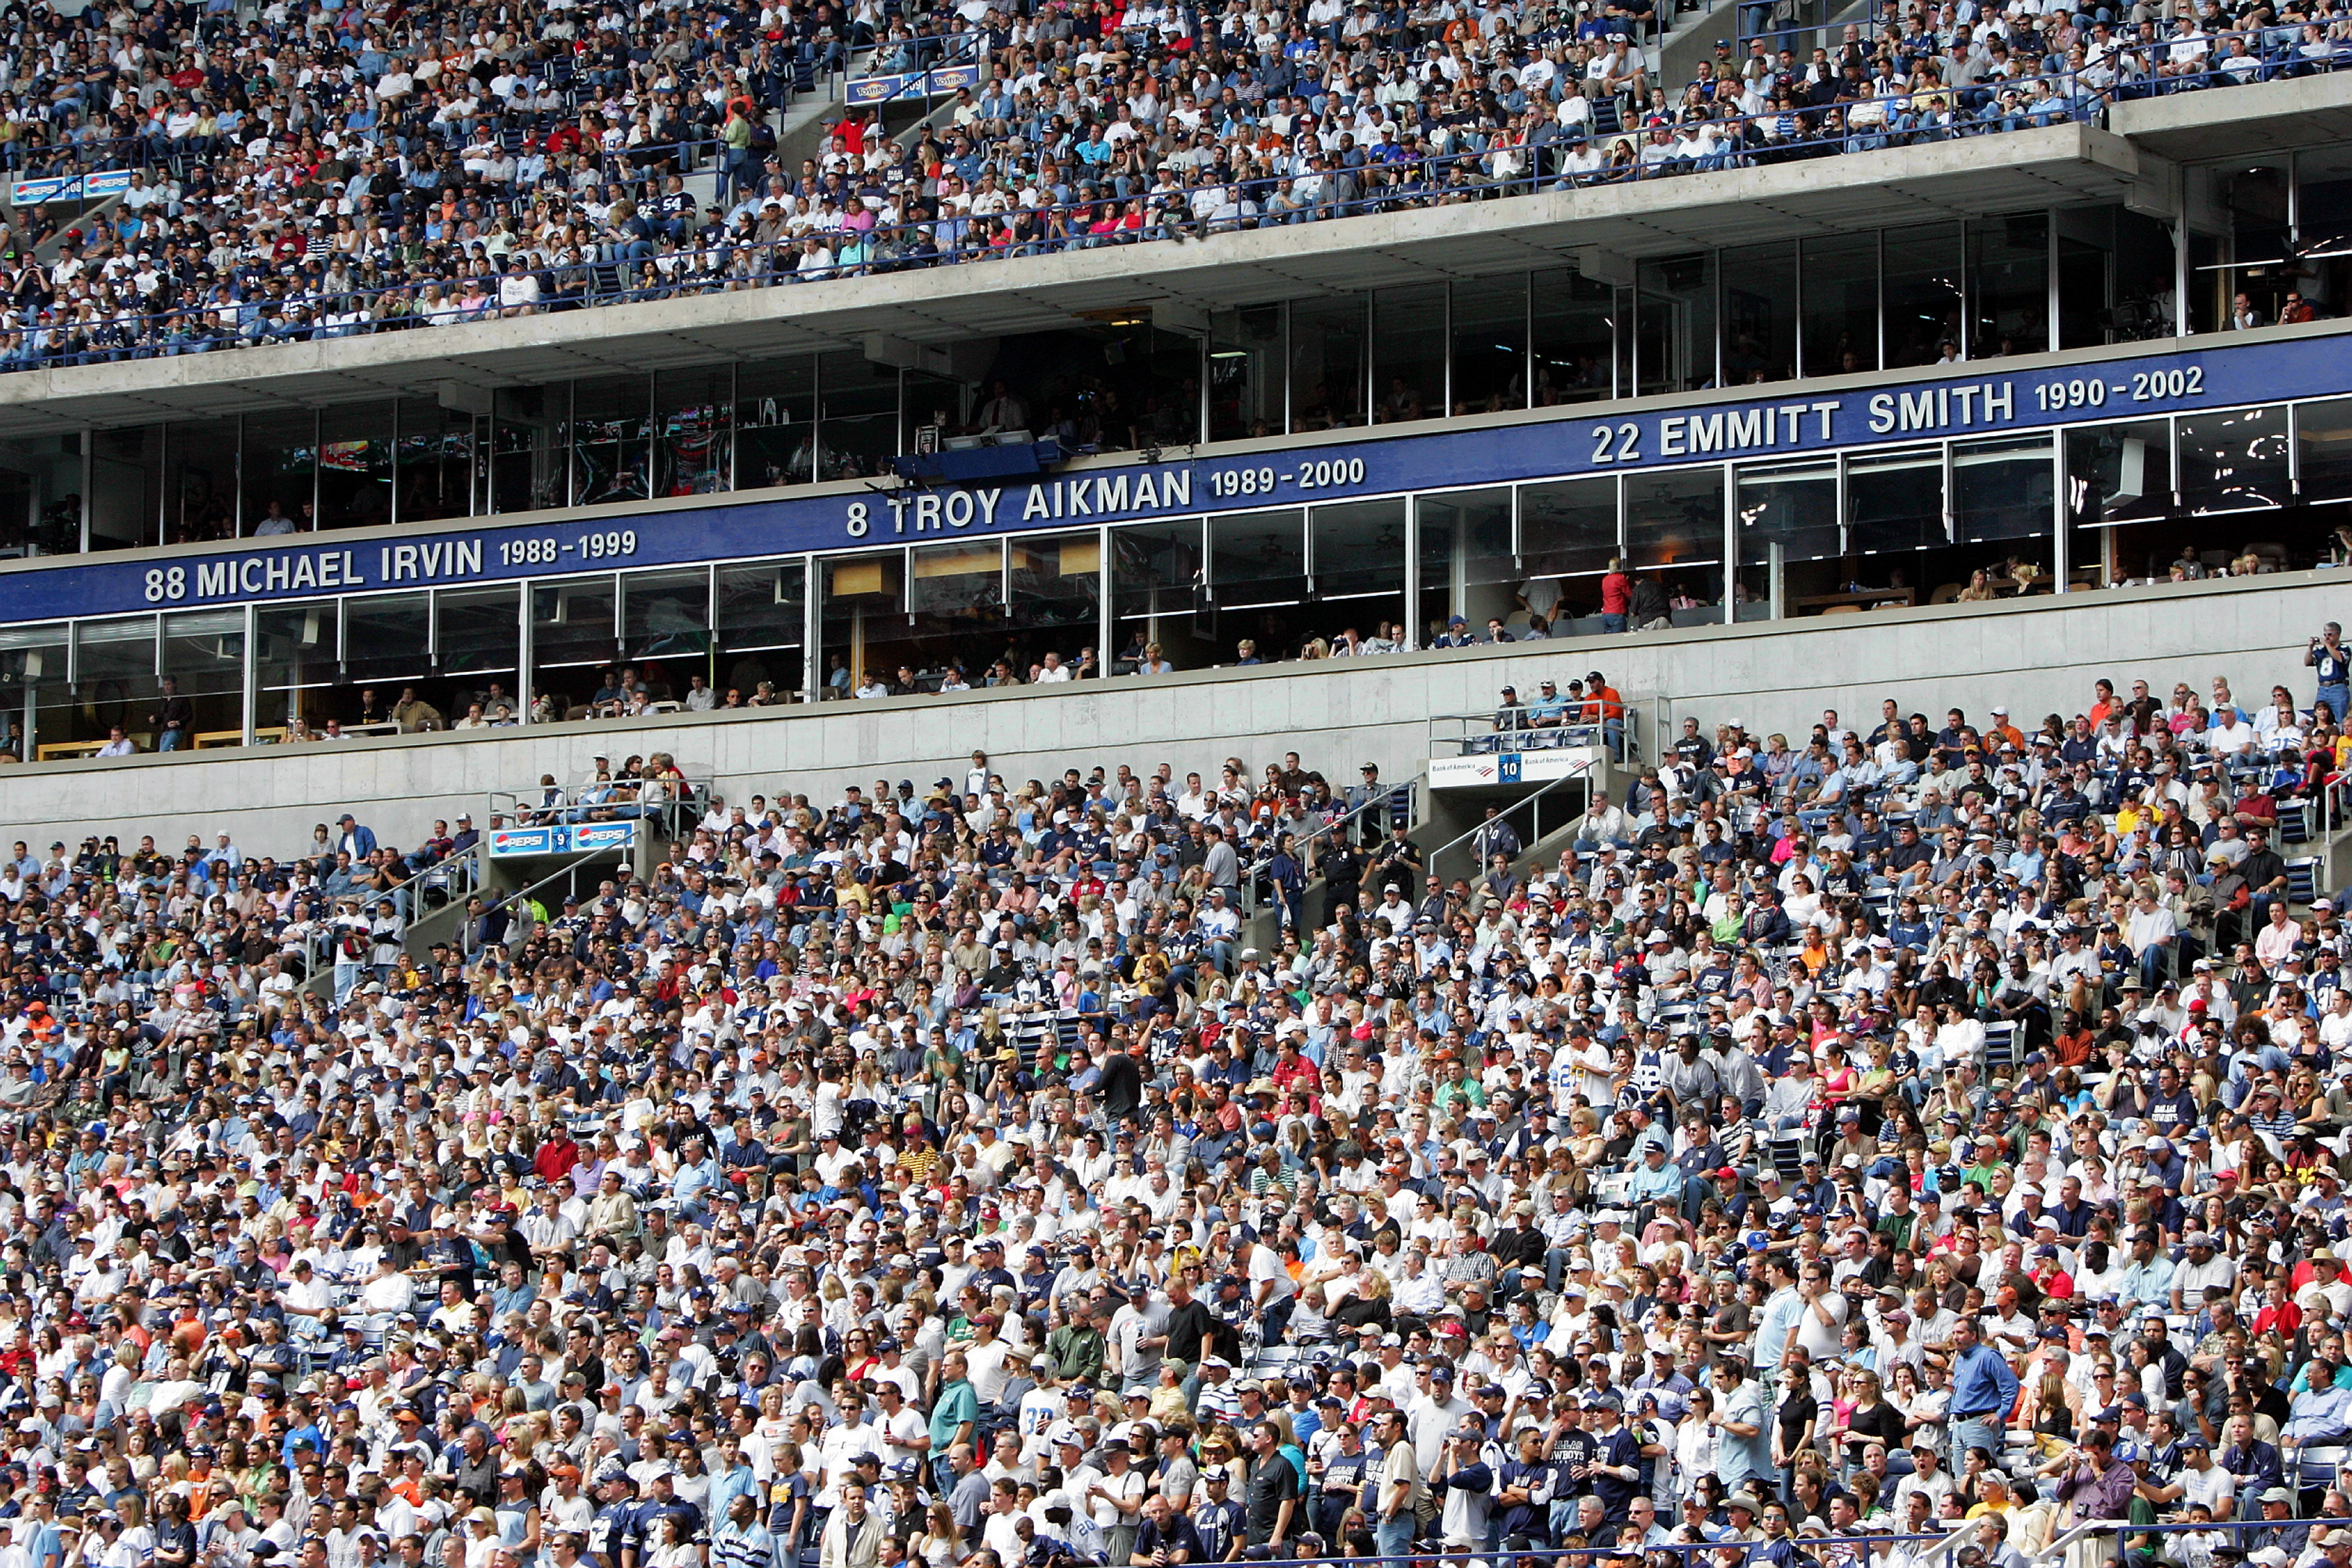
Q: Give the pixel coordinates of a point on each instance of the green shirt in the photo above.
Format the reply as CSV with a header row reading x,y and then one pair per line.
x,y
1077,1352
956,1404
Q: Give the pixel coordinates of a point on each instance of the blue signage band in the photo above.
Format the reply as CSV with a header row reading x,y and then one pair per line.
x,y
1982,399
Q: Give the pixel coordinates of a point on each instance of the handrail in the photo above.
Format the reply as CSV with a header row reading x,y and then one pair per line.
x,y
523,895
1383,801
467,861
318,946
518,809
2085,1530
1489,724
1582,771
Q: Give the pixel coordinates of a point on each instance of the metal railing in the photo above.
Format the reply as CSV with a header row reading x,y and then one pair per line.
x,y
1797,31
2062,1545
1532,804
960,64
1517,729
453,878
527,897
1385,801
1934,1549
673,816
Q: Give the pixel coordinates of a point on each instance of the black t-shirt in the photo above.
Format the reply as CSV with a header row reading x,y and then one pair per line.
x,y
1881,1422
1120,1084
1187,1325
1272,1484
1795,1412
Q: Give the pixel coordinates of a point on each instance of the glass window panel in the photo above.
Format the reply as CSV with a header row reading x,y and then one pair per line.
x,y
1675,519
40,494
2323,433
1678,324
1257,558
697,431
1489,328
278,462
2119,473
1570,527
526,464
2256,200
775,413
955,617
203,653
296,648
200,480
31,656
1166,411
1409,352
2002,490
858,432
1328,354
1792,505
1057,581
610,438
2009,286
1895,501
433,460
2234,462
1759,313
480,632
1841,304
2323,197
2209,277
941,401
571,623
126,474
861,619
760,626
1673,532
33,659
355,450
1923,291
2324,222
1621,311
1247,372
1157,583
961,581
114,680
1359,551
386,638
2115,277
1573,340
665,614
1466,560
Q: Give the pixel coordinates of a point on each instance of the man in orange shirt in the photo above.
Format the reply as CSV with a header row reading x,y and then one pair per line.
x,y
1601,698
2000,730
2104,690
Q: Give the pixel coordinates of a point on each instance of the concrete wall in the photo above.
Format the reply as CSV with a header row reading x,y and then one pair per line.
x,y
2035,657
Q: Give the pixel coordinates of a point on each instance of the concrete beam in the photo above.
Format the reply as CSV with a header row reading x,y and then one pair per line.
x,y
2227,122
1977,177
2037,656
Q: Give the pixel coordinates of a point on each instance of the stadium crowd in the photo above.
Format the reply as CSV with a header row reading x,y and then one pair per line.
x,y
1932,1128
298,171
